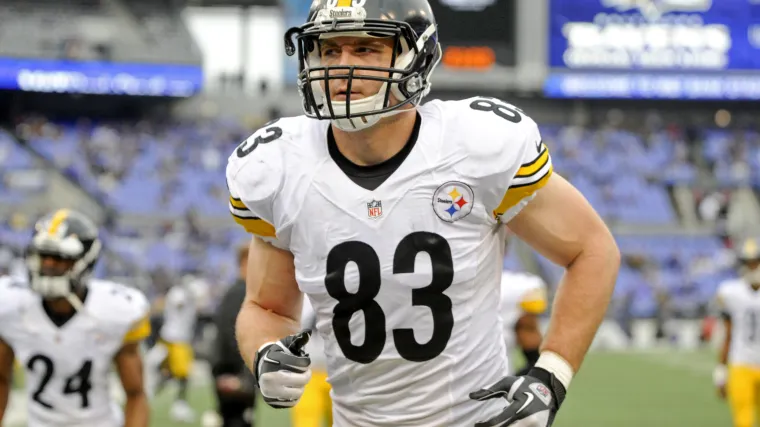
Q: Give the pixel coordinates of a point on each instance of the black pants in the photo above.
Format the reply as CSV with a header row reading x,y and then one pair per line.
x,y
234,420
233,411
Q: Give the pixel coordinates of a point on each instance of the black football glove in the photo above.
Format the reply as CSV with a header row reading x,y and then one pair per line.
x,y
282,370
534,399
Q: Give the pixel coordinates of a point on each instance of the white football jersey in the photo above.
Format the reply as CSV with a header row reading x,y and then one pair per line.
x,y
738,300
520,293
316,346
404,278
67,367
180,315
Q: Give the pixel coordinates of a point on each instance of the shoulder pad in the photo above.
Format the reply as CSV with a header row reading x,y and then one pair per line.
x,y
118,303
492,133
500,150
177,295
265,149
13,294
256,172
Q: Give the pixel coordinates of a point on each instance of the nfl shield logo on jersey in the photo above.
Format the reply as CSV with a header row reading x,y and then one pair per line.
x,y
375,209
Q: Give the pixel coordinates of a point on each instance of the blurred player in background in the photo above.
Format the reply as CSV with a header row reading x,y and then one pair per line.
x,y
173,355
523,299
235,388
738,374
315,407
67,330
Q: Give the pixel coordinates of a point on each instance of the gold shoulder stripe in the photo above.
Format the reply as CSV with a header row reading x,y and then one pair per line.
x,y
238,204
531,168
256,226
518,192
139,332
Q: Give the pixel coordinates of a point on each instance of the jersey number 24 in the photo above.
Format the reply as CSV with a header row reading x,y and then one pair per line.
x,y
79,383
368,264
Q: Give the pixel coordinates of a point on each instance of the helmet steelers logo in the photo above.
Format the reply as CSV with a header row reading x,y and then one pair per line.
x,y
453,201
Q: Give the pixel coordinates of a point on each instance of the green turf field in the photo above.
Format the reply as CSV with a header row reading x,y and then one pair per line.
x,y
658,389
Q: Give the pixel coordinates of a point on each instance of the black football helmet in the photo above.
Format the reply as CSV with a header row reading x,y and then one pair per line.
x,y
65,235
412,25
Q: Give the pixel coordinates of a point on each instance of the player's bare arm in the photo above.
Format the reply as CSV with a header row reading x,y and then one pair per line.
x,y
528,338
267,326
130,368
562,226
6,372
527,332
272,306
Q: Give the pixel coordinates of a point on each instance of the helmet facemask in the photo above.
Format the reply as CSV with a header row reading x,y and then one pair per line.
x,y
53,283
406,78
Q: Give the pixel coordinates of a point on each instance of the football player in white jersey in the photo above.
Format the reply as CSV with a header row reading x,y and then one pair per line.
x,y
390,216
738,374
174,351
523,299
67,330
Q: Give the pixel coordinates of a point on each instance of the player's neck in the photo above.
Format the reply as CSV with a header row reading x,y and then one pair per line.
x,y
378,143
62,306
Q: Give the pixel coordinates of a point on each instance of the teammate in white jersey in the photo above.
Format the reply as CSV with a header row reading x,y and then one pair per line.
x,y
173,355
68,330
390,217
738,374
523,299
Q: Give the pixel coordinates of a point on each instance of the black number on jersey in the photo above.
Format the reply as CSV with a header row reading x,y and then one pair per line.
x,y
78,383
505,111
363,300
272,133
753,326
47,373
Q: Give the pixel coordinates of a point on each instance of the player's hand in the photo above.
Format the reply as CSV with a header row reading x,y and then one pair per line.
x,y
282,370
720,376
533,400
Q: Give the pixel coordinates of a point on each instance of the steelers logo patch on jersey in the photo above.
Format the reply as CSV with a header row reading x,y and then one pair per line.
x,y
453,201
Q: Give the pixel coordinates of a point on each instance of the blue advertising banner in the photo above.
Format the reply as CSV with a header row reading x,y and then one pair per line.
x,y
739,87
673,49
104,78
684,35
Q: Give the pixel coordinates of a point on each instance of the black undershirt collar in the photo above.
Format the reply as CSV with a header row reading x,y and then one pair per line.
x,y
59,319
371,177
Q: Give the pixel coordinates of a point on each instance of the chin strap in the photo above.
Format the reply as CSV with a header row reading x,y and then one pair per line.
x,y
75,301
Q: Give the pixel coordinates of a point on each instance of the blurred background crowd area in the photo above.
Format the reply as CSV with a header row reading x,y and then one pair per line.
x,y
128,110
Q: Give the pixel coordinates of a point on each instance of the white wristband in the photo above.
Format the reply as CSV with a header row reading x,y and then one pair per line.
x,y
557,365
720,375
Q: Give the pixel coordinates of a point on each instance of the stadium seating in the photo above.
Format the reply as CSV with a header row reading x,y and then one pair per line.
x,y
171,169
19,172
91,30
